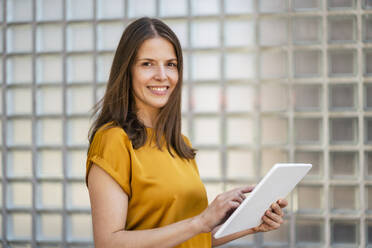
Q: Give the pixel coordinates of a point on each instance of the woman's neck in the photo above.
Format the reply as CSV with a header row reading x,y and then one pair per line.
x,y
147,116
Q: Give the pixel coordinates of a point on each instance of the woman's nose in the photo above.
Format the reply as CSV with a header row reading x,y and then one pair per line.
x,y
161,73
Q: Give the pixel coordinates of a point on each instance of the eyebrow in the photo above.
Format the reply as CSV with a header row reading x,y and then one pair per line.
x,y
155,60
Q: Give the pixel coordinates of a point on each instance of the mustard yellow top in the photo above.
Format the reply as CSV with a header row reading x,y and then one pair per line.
x,y
161,189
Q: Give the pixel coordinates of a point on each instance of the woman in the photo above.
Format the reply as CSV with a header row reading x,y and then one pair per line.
x,y
144,186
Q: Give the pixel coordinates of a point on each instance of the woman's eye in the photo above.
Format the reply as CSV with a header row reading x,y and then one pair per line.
x,y
172,65
146,64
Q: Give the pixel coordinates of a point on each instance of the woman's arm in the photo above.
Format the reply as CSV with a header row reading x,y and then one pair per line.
x,y
109,205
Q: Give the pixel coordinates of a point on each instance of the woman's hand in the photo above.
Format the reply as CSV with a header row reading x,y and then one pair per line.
x,y
273,217
222,207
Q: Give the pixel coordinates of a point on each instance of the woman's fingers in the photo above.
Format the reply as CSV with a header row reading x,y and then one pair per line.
x,y
277,209
270,222
274,217
282,203
247,189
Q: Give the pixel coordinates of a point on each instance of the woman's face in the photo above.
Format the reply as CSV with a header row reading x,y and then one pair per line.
x,y
154,74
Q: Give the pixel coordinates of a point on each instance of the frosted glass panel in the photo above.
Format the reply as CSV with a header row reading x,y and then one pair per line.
x,y
49,38
308,130
206,131
274,97
20,225
341,4
274,65
206,99
343,130
49,132
80,227
205,34
49,69
344,232
19,10
78,196
49,163
311,157
307,30
343,164
205,7
50,226
367,28
306,4
239,32
273,32
344,198
238,6
49,9
240,164
80,69
79,37
341,63
19,38
239,98
19,132
240,66
49,195
19,164
79,100
106,9
109,35
274,130
206,66
268,6
47,95
342,97
76,131
213,189
309,231
239,131
104,62
309,199
271,157
79,9
180,28
20,194
19,101
141,8
74,161
173,8
307,63
341,29
307,97
19,69
209,163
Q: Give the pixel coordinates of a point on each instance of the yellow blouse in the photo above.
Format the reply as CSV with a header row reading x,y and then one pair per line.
x,y
162,189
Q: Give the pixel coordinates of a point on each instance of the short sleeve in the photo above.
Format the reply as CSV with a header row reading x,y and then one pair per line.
x,y
193,162
110,151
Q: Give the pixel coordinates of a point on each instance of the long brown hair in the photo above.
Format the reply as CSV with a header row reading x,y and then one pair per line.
x,y
117,105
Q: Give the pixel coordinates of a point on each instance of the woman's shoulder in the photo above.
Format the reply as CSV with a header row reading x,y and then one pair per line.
x,y
111,133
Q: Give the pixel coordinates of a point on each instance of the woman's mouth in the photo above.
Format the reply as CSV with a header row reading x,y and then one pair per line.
x,y
158,90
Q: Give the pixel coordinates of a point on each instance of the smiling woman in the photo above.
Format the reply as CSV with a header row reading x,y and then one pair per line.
x,y
143,182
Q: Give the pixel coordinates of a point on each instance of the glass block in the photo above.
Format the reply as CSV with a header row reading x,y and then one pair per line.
x,y
367,4
206,131
240,66
104,62
281,235
19,163
311,157
344,232
179,27
309,231
19,10
273,65
341,4
306,5
19,226
19,132
369,232
49,163
343,130
142,8
238,6
173,8
49,226
307,63
206,7
271,157
80,69
274,130
342,97
269,6
344,164
79,100
307,97
368,63
79,9
49,131
19,194
239,131
342,63
19,101
368,130
19,38
49,195
213,189
19,69
49,37
206,99
110,8
1,41
240,165
77,131
341,29
309,199
239,98
367,28
49,10
308,131
307,30
76,160
209,163
368,162
79,227
344,198
80,37
239,32
273,31
49,69
206,66
274,97
47,95
205,34
109,35
78,195
368,191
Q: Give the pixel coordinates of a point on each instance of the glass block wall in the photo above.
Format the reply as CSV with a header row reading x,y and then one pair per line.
x,y
266,81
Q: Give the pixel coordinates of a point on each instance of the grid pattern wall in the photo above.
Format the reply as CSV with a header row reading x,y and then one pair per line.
x,y
265,81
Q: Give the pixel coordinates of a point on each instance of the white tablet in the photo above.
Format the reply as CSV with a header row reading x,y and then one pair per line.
x,y
276,184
